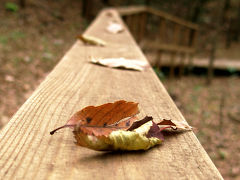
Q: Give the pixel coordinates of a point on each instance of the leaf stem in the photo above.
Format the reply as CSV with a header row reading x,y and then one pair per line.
x,y
67,125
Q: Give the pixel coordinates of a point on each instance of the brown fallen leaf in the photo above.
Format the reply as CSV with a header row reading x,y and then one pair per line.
x,y
100,120
114,126
114,28
121,63
174,124
91,40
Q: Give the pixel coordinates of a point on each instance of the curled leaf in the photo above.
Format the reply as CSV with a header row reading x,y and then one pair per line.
x,y
91,40
177,125
121,63
114,126
100,120
141,138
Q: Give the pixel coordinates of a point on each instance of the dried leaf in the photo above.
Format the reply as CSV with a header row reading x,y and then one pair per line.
x,y
174,124
91,40
138,139
114,28
114,126
121,63
100,120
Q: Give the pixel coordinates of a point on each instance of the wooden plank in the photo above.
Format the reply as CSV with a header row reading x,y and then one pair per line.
x,y
218,63
27,150
223,64
172,18
167,47
130,10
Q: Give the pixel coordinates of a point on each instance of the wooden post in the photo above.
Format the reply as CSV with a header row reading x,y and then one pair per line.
x,y
142,19
181,64
186,36
176,34
194,38
190,63
129,23
159,59
211,62
191,35
162,30
135,28
172,64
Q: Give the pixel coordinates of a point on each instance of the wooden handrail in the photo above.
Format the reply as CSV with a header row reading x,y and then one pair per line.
x,y
130,10
162,41
27,151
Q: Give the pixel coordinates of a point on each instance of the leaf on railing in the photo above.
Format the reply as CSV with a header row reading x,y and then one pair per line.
x,y
121,63
114,28
114,126
91,40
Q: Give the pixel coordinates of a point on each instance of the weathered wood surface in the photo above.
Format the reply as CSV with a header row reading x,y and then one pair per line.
x,y
27,150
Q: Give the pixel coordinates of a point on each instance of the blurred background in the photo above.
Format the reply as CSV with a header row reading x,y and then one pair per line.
x,y
193,46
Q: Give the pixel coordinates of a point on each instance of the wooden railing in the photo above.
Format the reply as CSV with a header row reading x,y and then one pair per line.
x,y
174,36
28,151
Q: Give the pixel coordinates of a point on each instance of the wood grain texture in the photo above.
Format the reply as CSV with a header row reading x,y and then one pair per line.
x,y
27,151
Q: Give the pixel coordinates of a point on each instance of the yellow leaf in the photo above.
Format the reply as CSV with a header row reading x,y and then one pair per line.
x,y
92,40
119,140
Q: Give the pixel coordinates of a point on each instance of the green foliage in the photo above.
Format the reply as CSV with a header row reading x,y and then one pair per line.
x,y
3,40
10,6
232,70
14,35
159,73
197,87
16,61
222,154
17,35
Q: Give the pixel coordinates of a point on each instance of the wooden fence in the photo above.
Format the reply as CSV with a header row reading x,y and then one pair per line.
x,y
27,151
174,36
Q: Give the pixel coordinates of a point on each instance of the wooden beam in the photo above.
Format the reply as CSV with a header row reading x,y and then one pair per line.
x,y
166,47
28,152
172,18
130,10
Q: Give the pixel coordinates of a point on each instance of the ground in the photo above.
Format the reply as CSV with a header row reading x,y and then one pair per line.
x,y
32,41
214,112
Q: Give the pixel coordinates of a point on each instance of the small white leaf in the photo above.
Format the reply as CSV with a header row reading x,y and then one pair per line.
x,y
114,28
121,62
